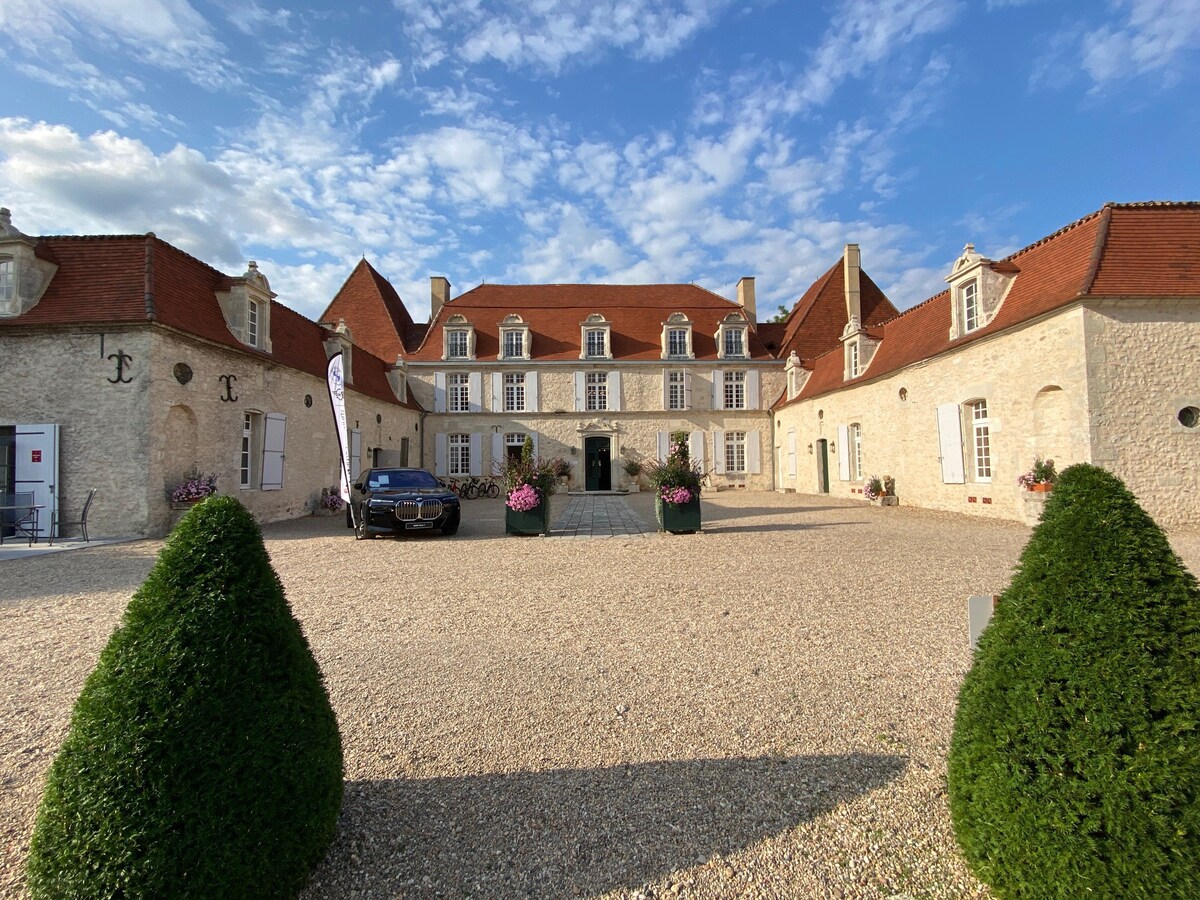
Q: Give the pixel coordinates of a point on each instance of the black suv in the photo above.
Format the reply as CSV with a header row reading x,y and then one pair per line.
x,y
394,501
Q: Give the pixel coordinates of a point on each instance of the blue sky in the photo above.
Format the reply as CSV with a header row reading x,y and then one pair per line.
x,y
625,141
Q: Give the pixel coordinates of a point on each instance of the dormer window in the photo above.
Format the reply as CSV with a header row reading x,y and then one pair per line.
x,y
459,338
969,297
252,323
595,338
731,337
514,338
852,369
8,279
978,287
677,337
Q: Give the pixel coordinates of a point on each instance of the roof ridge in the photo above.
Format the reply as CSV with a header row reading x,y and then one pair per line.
x,y
148,295
1097,250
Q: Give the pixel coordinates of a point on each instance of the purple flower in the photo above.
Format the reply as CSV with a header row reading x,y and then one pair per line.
x,y
523,498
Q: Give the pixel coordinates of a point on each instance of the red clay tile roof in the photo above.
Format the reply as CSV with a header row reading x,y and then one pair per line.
x,y
119,279
816,322
1135,249
376,315
554,313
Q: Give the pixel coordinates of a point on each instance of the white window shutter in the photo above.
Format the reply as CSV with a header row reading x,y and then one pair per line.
x,y
474,389
791,451
696,448
718,398
531,392
497,392
752,398
476,468
664,445
843,441
719,452
950,444
439,392
666,389
753,453
687,390
497,452
273,443
580,406
355,454
440,455
614,391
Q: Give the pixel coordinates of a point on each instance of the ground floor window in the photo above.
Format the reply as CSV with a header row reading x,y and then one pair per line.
x,y
460,454
981,440
514,443
856,464
247,457
735,451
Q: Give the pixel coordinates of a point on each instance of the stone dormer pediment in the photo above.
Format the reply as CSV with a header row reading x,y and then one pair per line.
x,y
246,306
977,289
338,339
24,276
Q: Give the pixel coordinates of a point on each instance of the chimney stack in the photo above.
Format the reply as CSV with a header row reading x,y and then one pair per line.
x,y
439,295
745,299
851,266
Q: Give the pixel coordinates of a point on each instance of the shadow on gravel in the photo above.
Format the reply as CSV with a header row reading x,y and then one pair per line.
x,y
570,831
724,527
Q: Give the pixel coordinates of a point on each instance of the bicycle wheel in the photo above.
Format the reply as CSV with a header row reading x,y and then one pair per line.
x,y
471,491
493,490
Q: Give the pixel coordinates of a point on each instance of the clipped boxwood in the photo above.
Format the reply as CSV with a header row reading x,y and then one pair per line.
x,y
203,758
1074,770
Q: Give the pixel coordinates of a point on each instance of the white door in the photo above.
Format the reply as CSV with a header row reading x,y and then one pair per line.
x,y
37,470
950,445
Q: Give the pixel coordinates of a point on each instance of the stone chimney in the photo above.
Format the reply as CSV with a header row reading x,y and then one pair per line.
x,y
851,267
439,295
745,299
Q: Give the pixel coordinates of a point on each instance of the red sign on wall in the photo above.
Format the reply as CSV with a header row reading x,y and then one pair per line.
x,y
37,456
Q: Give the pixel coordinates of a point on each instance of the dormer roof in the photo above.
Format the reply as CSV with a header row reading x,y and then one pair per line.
x,y
381,322
816,322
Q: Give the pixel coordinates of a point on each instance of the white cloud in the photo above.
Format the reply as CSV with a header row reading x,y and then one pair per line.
x,y
1154,39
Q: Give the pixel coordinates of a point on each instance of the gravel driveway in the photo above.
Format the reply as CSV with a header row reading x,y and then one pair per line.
x,y
760,710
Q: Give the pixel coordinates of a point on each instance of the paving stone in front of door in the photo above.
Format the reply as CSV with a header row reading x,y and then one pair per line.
x,y
600,516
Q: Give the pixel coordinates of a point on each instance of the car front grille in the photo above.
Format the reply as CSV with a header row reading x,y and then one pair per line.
x,y
418,510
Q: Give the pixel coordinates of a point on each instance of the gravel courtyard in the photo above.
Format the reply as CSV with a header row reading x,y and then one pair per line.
x,y
760,710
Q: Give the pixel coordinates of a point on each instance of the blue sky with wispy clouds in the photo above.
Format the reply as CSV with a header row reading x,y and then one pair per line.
x,y
592,140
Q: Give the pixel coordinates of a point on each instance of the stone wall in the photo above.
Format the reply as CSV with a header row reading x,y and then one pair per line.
x,y
1034,380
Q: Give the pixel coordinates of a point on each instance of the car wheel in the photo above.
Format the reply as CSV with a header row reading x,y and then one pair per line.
x,y
361,532
451,526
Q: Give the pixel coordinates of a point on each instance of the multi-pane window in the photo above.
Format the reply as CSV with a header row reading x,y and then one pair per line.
x,y
7,281
458,388
597,391
252,323
514,391
981,440
735,451
677,342
735,390
852,361
456,344
676,390
596,342
460,454
856,466
514,444
970,306
735,342
514,344
251,423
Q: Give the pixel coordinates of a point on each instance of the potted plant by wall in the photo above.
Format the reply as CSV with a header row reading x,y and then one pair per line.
x,y
192,490
677,482
528,483
562,471
330,501
633,469
1041,477
881,491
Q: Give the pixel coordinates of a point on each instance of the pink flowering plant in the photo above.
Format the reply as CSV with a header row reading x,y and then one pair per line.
x,y
194,487
331,499
677,479
528,479
1043,472
523,498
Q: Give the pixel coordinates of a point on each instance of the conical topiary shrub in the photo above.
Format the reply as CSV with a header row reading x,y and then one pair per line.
x,y
203,758
1075,765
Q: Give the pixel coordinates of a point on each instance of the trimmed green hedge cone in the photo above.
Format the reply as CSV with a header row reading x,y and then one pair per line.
x,y
203,758
1074,770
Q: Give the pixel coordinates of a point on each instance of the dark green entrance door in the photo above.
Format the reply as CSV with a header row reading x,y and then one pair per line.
x,y
823,466
597,456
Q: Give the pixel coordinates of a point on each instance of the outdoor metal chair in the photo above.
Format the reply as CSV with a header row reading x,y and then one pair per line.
x,y
81,521
18,517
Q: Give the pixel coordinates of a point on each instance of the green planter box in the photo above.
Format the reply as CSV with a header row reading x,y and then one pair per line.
x,y
536,521
678,518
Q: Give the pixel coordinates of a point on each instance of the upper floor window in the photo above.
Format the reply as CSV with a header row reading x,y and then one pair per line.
x,y
458,388
252,323
456,344
597,343
676,390
856,463
514,338
735,390
677,342
852,358
731,337
595,337
735,342
677,337
514,392
596,396
735,451
981,440
514,344
8,281
970,305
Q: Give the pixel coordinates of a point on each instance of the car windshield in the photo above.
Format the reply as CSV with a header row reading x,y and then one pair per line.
x,y
399,479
